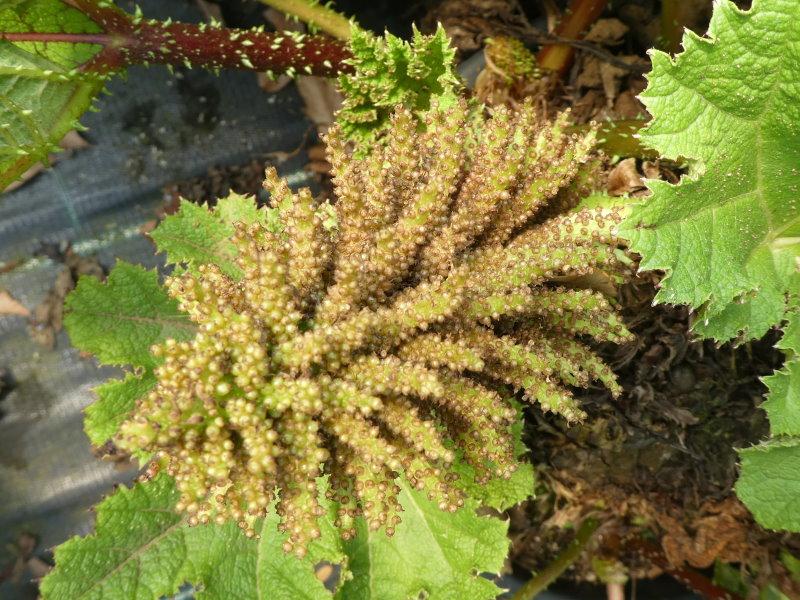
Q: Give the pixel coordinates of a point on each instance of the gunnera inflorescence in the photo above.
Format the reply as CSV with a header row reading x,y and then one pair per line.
x,y
385,345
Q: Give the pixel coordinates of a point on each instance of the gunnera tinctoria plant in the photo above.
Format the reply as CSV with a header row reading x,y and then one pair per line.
x,y
387,344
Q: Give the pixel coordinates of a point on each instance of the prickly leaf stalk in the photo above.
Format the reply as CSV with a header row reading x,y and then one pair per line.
x,y
56,56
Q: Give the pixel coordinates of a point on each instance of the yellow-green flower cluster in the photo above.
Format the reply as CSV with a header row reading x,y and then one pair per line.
x,y
385,346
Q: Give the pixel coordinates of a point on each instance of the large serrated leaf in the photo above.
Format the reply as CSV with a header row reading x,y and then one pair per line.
x,y
728,235
119,320
730,104
42,95
433,554
142,550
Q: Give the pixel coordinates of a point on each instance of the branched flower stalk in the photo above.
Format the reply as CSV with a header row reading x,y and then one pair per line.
x,y
389,344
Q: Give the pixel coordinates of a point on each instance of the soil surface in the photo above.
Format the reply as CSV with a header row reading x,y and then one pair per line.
x,y
657,464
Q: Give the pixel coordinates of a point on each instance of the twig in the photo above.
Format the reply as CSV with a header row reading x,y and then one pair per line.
x,y
567,556
532,35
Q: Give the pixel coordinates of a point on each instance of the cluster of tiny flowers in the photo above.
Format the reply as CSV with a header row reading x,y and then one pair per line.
x,y
389,344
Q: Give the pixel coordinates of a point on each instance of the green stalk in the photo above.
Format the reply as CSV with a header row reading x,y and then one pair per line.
x,y
319,15
568,556
672,20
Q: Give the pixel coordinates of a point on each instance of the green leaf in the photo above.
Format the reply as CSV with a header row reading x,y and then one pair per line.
x,y
769,483
284,575
116,398
50,16
728,235
198,235
500,493
730,104
731,578
770,592
142,550
783,402
790,341
390,71
41,94
792,564
433,553
120,319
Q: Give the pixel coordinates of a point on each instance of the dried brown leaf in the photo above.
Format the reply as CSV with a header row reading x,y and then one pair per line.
x,y
624,178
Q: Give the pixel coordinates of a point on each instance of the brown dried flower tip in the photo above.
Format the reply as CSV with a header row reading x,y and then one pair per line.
x,y
385,345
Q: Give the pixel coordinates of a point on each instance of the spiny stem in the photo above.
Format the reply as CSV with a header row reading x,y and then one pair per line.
x,y
568,556
579,15
153,42
319,15
129,40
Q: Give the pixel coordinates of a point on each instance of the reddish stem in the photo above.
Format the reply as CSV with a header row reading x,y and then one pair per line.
x,y
127,41
689,577
579,15
220,48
